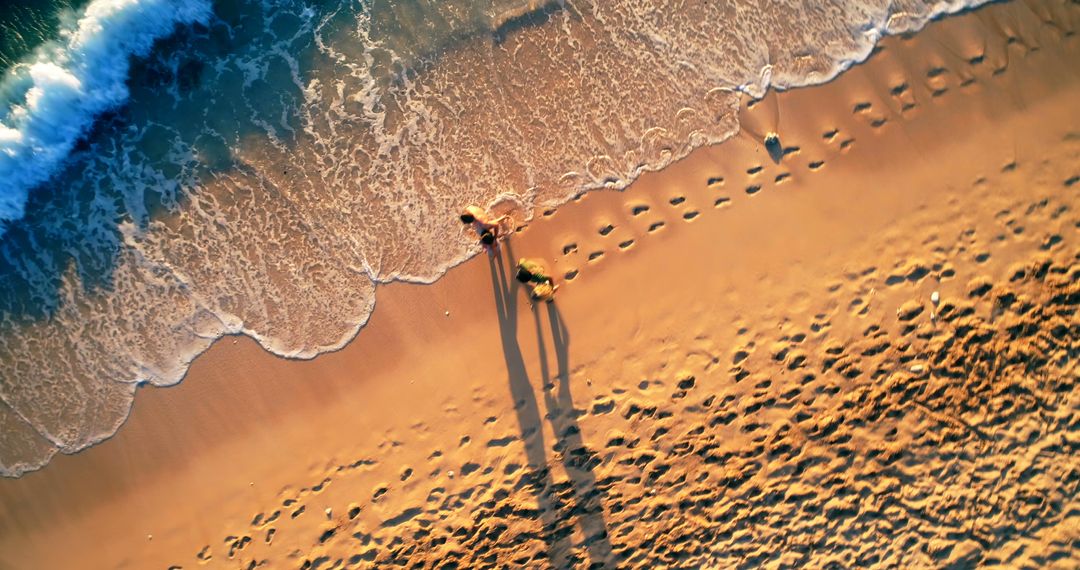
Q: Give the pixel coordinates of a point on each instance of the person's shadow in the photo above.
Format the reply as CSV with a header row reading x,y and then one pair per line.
x,y
577,459
569,447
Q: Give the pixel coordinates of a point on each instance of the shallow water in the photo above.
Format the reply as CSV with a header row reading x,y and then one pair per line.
x,y
270,167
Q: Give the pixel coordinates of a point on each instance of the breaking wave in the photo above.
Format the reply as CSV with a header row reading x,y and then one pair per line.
x,y
50,102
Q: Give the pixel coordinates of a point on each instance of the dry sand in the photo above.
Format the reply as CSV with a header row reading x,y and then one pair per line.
x,y
746,368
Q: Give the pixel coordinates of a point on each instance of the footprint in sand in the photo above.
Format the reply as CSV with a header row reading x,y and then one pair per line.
x,y
715,181
237,544
753,189
936,77
782,177
602,405
501,441
820,324
721,201
791,394
816,165
569,248
570,275
607,229
596,255
690,215
861,107
626,244
639,209
847,144
754,170
830,135
686,383
677,200
858,307
469,468
655,226
1050,241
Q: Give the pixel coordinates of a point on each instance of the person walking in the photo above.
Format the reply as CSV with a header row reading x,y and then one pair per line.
x,y
486,227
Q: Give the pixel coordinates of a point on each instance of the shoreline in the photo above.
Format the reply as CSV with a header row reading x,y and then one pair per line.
x,y
188,438
742,91
173,368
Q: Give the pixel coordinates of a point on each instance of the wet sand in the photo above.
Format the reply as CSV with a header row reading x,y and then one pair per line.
x,y
861,351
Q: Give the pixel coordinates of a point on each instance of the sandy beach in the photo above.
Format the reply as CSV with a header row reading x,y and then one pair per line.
x,y
860,352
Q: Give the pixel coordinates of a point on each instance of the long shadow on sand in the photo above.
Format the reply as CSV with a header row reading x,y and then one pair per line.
x,y
557,519
577,459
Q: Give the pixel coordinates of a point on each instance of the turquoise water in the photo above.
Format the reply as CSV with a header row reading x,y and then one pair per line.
x,y
267,164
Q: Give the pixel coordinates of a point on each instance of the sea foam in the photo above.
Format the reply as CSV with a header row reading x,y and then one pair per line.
x,y
52,101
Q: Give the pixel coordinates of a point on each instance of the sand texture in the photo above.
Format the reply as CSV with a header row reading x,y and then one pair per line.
x,y
859,352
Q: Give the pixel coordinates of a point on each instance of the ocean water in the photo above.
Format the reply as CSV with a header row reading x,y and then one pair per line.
x,y
26,25
176,171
